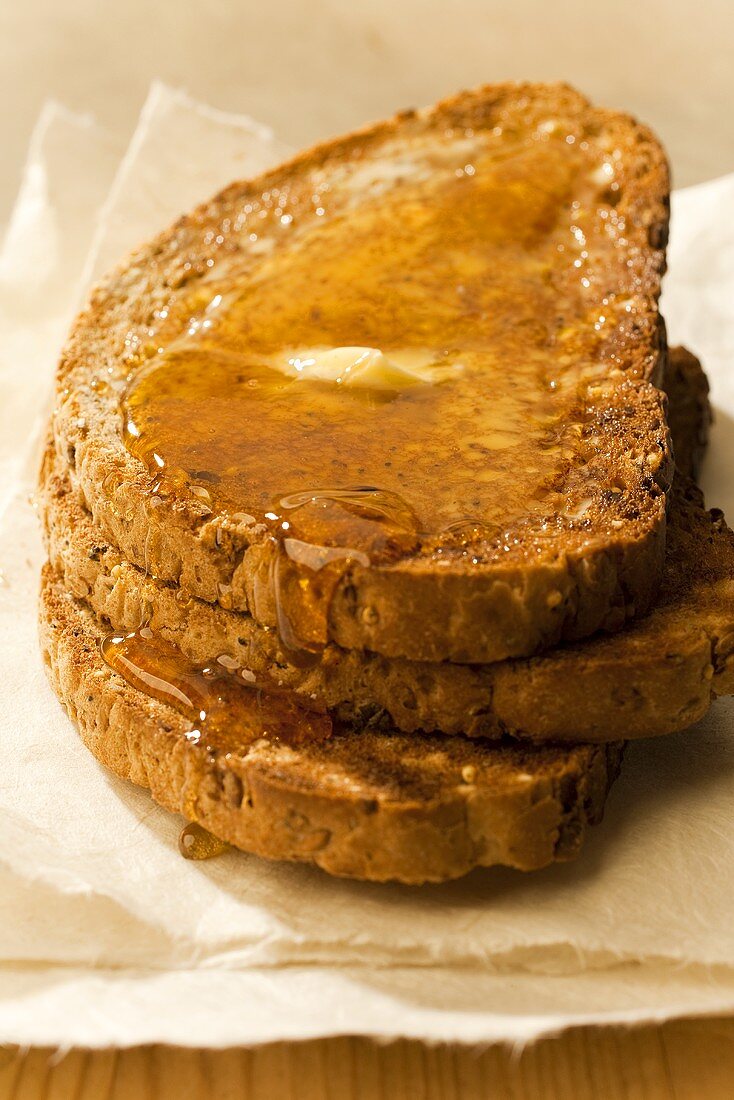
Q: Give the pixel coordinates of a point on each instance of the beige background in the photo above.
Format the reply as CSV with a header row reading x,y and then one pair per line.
x,y
315,67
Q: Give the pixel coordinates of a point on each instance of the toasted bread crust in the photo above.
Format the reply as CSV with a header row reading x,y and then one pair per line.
x,y
362,805
689,409
599,690
526,597
602,689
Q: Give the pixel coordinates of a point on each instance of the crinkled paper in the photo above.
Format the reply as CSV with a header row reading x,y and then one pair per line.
x,y
108,937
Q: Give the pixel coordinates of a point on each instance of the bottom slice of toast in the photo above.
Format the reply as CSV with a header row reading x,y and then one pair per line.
x,y
361,804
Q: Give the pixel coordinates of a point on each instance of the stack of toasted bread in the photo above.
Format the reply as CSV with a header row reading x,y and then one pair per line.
x,y
369,498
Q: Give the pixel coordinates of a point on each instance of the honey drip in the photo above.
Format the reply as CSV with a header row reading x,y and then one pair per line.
x,y
196,842
228,712
304,576
493,264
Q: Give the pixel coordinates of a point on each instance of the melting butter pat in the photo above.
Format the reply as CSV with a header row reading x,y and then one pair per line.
x,y
368,368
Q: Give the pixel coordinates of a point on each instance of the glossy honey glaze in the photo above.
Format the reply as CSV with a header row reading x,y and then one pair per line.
x,y
481,268
228,712
489,264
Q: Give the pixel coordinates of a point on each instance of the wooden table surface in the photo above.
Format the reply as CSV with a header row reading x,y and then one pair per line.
x,y
683,1060
371,58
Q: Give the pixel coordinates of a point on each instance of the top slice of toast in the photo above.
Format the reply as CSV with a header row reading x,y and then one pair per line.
x,y
476,465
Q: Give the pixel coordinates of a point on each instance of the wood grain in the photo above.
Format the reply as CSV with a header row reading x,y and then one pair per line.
x,y
683,1060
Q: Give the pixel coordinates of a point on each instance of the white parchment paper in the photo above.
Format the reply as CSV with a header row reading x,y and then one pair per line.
x,y
108,937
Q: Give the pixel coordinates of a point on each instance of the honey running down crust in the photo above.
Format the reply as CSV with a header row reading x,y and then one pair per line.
x,y
228,712
362,804
421,358
482,275
392,407
613,686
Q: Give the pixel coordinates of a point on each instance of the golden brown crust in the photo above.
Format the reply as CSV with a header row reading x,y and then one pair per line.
x,y
594,576
361,805
597,690
689,409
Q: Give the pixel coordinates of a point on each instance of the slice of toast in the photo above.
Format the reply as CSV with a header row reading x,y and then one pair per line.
x,y
602,689
361,804
493,482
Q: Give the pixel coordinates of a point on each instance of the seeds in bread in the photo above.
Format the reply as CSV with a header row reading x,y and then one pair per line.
x,y
588,562
598,690
363,804
601,689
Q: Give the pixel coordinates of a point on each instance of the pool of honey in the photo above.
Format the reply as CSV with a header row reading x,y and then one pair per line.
x,y
486,269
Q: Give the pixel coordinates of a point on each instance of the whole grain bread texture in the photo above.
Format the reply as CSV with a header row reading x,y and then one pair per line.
x,y
362,804
603,689
598,565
